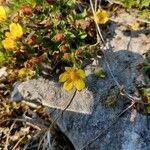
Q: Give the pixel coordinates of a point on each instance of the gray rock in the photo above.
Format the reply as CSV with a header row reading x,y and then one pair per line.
x,y
90,112
16,95
49,93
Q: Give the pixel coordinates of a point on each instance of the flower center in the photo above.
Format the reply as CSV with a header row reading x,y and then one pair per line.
x,y
73,75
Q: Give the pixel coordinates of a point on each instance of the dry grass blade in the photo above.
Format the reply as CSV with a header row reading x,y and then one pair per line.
x,y
41,140
14,148
20,123
48,138
36,136
7,138
22,120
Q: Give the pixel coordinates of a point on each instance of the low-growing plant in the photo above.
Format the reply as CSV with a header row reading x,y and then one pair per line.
x,y
57,33
135,3
142,7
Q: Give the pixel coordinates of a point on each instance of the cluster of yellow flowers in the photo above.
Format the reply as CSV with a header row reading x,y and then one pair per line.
x,y
15,33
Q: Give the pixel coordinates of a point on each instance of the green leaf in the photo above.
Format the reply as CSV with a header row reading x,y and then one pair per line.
x,y
70,18
84,14
144,14
17,4
70,34
2,57
147,95
99,72
144,3
71,3
83,36
129,3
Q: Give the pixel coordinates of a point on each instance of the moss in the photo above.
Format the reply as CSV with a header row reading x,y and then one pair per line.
x,y
110,101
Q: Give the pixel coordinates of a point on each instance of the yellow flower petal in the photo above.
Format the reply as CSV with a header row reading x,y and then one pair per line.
x,y
10,35
135,26
2,13
68,85
63,77
25,72
16,30
101,16
22,73
81,73
12,27
69,68
79,84
9,43
19,31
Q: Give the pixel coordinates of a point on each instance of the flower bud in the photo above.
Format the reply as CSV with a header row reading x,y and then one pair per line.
x,y
27,10
33,61
32,40
67,56
59,37
63,48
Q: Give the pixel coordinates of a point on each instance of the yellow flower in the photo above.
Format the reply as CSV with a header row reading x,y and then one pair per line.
x,y
134,26
16,31
25,72
101,16
73,77
2,13
9,43
10,35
